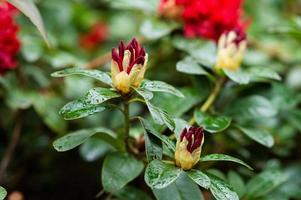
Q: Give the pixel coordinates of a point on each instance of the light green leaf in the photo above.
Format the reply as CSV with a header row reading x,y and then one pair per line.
x,y
3,193
147,95
150,129
76,138
97,96
265,182
238,76
159,86
199,177
118,170
153,29
223,157
181,189
150,6
180,125
189,66
159,174
259,135
221,190
28,8
212,124
96,74
263,73
160,116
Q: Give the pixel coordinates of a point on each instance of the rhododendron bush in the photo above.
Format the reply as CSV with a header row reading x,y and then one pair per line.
x,y
150,99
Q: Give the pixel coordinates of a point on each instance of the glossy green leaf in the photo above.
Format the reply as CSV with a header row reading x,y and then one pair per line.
x,y
153,147
223,157
96,74
118,170
180,125
265,182
237,183
153,29
212,124
252,107
76,138
189,66
146,94
263,73
131,193
259,135
199,178
181,189
28,8
79,109
150,129
160,116
159,174
100,95
221,190
3,193
159,86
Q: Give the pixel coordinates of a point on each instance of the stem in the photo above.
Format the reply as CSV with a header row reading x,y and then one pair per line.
x,y
9,152
126,112
211,98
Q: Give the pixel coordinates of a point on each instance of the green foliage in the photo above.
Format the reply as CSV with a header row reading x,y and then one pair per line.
x,y
3,193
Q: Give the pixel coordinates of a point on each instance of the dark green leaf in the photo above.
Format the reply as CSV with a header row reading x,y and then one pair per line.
x,y
28,8
159,174
153,147
199,177
159,86
237,183
76,138
180,125
160,116
259,135
131,193
221,190
181,189
118,170
223,157
96,74
212,124
265,182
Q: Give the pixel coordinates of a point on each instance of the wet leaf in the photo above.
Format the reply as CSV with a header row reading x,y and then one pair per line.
x,y
199,178
221,190
259,135
160,86
3,193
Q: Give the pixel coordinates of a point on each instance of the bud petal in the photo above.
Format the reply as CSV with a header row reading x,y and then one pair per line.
x,y
122,82
188,148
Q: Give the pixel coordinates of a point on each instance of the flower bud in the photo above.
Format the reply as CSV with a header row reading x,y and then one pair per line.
x,y
231,50
128,66
188,148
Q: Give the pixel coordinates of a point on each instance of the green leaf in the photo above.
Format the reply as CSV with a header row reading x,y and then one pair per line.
x,y
131,193
189,66
181,189
96,74
263,73
150,6
76,138
159,174
265,182
212,124
150,129
159,86
118,170
3,193
237,183
180,125
28,8
153,147
199,177
259,135
238,76
79,109
223,157
153,29
147,95
221,190
252,107
94,148
160,116
97,96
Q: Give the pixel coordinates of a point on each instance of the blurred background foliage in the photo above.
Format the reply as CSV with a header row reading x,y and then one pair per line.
x,y
30,99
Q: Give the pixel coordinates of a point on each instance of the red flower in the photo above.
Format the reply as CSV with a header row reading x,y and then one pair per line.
x,y
94,37
210,18
9,42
